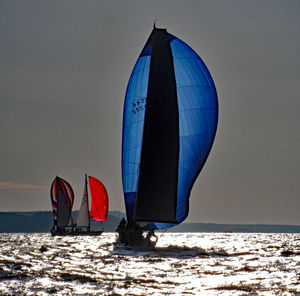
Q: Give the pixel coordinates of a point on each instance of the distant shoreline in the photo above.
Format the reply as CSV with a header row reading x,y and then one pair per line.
x,y
35,221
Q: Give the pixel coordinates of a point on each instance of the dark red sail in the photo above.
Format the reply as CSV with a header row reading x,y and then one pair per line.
x,y
99,200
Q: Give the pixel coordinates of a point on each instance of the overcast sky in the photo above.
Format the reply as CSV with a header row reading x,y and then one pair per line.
x,y
64,68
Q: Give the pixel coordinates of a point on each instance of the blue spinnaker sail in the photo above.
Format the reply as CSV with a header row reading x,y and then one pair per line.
x,y
189,98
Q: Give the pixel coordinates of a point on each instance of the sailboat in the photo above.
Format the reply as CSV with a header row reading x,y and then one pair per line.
x,y
99,207
62,198
169,124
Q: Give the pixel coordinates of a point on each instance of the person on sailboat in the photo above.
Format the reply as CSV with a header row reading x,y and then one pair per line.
x,y
121,229
151,234
122,225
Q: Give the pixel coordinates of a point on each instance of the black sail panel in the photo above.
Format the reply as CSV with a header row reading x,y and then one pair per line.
x,y
63,209
158,177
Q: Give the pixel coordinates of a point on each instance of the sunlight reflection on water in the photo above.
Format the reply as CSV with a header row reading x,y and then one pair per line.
x,y
181,264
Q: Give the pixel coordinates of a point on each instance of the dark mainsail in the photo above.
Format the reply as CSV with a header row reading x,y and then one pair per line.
x,y
157,185
62,197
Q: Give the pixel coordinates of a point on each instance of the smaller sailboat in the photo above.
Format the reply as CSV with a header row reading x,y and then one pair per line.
x,y
62,198
99,207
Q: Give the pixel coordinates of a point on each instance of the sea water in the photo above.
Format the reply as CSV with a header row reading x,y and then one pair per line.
x,y
181,264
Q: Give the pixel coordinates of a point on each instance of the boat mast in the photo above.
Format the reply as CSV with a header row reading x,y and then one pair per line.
x,y
87,200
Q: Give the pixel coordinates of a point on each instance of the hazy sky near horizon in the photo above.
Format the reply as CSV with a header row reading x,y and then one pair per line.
x,y
64,68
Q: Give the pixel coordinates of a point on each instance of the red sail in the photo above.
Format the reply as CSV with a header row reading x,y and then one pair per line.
x,y
99,200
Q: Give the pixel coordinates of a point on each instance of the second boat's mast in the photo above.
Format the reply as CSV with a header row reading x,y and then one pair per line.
x,y
87,200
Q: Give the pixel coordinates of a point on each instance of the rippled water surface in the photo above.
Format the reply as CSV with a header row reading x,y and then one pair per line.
x,y
181,264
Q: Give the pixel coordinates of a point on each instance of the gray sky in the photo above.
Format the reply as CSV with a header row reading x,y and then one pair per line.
x,y
64,68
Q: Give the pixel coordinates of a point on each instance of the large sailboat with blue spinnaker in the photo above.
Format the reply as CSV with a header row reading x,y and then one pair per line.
x,y
169,125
